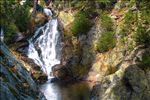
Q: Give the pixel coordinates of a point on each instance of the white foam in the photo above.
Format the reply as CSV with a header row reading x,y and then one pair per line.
x,y
43,46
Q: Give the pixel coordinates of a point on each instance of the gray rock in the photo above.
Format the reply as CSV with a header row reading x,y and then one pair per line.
x,y
16,82
6,94
135,77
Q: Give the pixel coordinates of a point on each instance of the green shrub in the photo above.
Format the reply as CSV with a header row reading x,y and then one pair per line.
x,y
9,32
14,18
130,20
106,22
77,3
142,36
22,17
81,24
106,4
106,41
145,63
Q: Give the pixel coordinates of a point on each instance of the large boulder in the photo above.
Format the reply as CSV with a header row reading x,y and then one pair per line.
x,y
16,82
62,72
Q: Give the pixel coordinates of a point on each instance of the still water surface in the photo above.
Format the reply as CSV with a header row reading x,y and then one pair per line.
x,y
72,91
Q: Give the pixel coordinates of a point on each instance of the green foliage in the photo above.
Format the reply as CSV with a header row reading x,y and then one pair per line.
x,y
136,22
14,17
22,17
106,41
145,63
106,22
9,31
81,24
106,4
78,3
104,1
130,20
142,36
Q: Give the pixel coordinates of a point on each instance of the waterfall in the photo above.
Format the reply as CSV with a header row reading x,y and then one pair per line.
x,y
44,46
1,35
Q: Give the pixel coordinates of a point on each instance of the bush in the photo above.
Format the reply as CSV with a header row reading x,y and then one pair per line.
x,y
106,41
81,24
142,36
9,32
14,18
145,63
106,4
22,17
106,22
130,20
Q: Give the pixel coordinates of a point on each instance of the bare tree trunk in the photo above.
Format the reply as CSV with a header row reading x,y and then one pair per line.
x,y
34,7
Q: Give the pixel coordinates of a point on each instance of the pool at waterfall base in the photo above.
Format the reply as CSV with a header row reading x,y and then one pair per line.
x,y
69,91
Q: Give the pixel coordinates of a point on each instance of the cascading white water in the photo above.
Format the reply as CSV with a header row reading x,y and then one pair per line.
x,y
45,50
44,46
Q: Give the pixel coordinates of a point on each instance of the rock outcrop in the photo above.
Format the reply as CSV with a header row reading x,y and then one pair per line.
x,y
16,82
129,82
122,73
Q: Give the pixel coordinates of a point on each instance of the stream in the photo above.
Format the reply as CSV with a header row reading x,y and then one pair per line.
x,y
72,91
45,50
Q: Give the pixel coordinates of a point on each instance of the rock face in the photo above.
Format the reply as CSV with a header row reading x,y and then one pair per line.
x,y
77,51
16,82
120,75
129,84
117,73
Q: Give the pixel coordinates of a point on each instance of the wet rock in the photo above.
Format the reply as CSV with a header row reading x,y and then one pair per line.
x,y
62,72
42,78
52,80
59,71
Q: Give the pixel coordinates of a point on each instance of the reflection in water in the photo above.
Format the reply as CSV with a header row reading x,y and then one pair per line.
x,y
74,91
51,91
